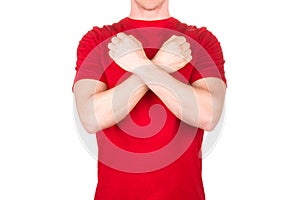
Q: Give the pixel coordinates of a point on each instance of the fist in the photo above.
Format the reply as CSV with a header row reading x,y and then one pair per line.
x,y
174,54
127,52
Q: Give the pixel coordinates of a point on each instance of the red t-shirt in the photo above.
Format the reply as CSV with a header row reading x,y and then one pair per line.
x,y
150,155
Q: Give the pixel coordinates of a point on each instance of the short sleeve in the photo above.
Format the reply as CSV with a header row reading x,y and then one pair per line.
x,y
90,54
208,58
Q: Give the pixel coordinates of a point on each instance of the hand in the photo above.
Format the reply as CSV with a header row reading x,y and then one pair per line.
x,y
127,52
174,54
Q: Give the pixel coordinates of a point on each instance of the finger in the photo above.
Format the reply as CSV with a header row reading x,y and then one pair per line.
x,y
115,40
187,56
177,39
134,38
111,46
111,54
189,52
173,37
122,36
185,45
180,39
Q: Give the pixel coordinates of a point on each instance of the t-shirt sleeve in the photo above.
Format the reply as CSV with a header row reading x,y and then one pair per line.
x,y
90,54
208,58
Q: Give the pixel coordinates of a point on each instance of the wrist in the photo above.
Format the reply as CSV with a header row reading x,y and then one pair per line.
x,y
157,61
145,69
133,64
162,65
140,63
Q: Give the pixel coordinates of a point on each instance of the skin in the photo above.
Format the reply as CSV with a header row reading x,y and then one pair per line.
x,y
149,9
199,104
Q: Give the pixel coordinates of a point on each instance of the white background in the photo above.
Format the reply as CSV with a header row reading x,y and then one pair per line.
x,y
41,155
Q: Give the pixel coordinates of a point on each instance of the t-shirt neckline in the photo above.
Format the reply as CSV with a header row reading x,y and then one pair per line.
x,y
166,22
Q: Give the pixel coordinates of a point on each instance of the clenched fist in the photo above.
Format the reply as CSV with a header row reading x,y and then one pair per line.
x,y
174,54
127,52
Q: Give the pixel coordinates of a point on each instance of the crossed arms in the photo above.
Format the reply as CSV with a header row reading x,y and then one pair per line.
x,y
199,105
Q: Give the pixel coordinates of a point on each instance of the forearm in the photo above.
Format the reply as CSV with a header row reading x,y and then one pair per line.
x,y
191,105
111,106
104,109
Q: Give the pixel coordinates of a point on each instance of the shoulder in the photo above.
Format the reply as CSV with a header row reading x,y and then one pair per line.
x,y
203,40
98,34
203,36
92,41
200,34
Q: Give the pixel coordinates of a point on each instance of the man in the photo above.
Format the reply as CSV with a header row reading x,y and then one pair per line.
x,y
149,85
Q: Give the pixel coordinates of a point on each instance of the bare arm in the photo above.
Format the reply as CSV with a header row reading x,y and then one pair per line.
x,y
98,108
199,104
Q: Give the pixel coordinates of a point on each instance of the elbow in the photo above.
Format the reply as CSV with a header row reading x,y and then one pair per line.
x,y
89,124
89,127
209,122
210,118
209,125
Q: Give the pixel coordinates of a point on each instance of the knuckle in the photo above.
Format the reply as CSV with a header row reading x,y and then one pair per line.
x,y
182,38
